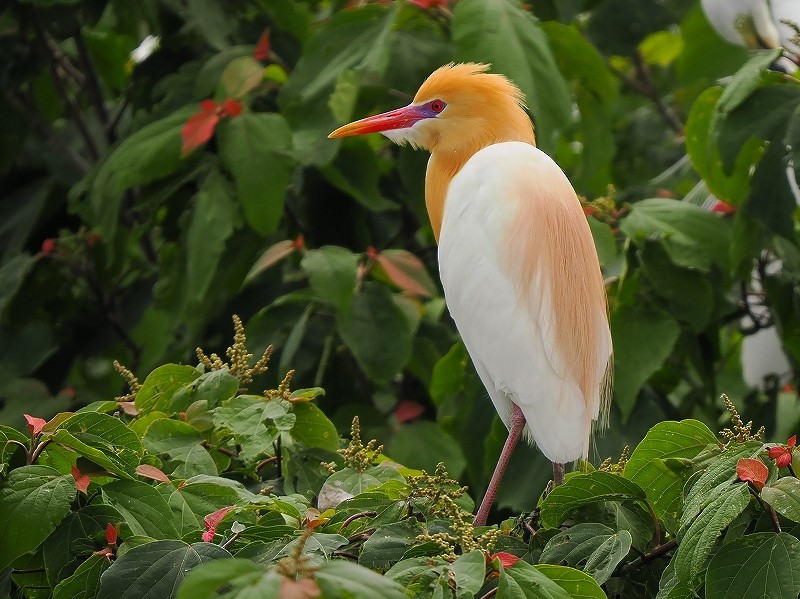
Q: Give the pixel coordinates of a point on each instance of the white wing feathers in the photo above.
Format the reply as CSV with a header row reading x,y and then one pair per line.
x,y
523,284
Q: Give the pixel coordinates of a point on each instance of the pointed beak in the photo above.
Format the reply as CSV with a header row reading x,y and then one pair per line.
x,y
394,119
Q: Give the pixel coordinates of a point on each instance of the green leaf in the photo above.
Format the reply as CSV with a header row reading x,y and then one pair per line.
x,y
523,581
332,272
7,449
198,497
345,579
354,482
159,386
469,571
85,581
784,497
237,575
241,76
377,332
351,40
155,569
501,33
79,534
312,428
255,149
173,437
33,500
255,422
718,477
643,340
604,241
646,467
145,511
103,439
388,544
577,584
701,147
692,237
152,152
746,80
356,171
755,566
584,489
699,539
596,92
214,218
214,387
439,445
574,545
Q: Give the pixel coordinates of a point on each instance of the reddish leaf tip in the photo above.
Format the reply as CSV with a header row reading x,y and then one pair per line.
x,y
753,471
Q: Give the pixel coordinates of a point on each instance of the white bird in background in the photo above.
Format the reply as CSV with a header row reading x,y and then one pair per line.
x,y
516,257
758,24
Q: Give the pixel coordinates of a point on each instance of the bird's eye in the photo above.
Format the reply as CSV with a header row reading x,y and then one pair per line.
x,y
437,106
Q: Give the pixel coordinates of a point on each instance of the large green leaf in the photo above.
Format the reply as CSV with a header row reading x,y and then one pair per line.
x,y
152,152
79,534
160,385
357,40
312,428
648,465
255,422
701,147
523,581
85,581
577,584
12,275
332,272
344,579
692,237
377,332
699,539
155,569
145,511
103,439
214,218
643,340
33,500
500,32
784,497
440,447
754,567
584,489
388,544
255,149
240,578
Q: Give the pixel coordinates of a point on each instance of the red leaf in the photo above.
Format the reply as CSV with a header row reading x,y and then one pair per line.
x,y
149,471
200,127
231,107
506,559
35,425
262,47
81,480
753,471
406,271
48,246
792,441
128,407
428,4
213,519
112,532
407,410
272,256
208,535
721,207
781,455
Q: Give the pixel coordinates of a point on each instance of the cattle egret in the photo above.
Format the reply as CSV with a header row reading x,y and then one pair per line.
x,y
517,261
758,24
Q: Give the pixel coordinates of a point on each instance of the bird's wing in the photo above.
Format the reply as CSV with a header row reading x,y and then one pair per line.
x,y
522,281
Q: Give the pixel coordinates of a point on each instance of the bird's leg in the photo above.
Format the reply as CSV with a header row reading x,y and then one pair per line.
x,y
558,474
515,432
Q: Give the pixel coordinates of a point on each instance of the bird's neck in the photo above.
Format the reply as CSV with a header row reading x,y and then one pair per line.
x,y
445,164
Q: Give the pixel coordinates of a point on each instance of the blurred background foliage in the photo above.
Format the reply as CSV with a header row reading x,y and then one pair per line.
x,y
130,232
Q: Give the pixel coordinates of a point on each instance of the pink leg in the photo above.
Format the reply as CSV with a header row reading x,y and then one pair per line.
x,y
558,474
517,424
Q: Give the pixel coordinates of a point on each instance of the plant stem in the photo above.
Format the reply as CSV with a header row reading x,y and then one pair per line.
x,y
657,552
